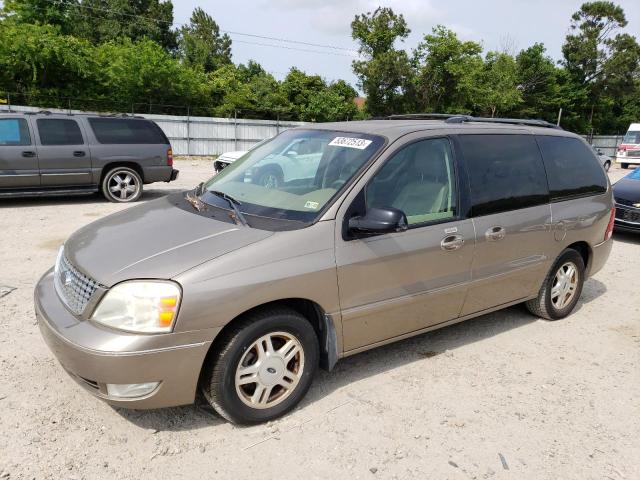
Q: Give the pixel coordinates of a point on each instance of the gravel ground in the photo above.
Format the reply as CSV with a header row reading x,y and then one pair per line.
x,y
502,396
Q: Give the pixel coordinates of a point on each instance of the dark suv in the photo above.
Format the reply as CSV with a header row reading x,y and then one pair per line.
x,y
45,153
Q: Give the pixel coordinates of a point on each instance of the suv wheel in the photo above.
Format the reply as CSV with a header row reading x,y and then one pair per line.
x,y
122,184
270,177
561,288
263,367
607,166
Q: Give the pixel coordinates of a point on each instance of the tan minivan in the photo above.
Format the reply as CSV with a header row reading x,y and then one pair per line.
x,y
368,232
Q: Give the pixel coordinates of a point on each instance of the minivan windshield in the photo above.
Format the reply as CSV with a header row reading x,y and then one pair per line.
x,y
294,175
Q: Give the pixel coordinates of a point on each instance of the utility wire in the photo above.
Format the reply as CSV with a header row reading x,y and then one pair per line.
x,y
264,37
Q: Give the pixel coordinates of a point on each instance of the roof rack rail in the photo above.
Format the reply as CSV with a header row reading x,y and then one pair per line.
x,y
121,115
421,116
462,118
507,121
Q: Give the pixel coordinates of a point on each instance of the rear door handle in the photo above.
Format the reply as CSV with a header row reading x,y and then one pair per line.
x,y
28,153
452,242
79,153
495,233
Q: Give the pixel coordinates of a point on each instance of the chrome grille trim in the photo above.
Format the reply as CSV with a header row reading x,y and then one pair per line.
x,y
74,288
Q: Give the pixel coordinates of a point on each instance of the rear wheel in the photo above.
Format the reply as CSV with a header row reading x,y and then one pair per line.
x,y
121,185
561,289
263,368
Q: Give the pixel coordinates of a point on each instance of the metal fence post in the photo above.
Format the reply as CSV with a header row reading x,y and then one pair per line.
x,y
235,130
188,130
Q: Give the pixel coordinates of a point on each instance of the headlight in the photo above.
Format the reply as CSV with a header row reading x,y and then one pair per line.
x,y
140,306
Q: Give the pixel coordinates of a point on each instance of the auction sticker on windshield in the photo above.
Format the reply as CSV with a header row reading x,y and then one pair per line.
x,y
349,142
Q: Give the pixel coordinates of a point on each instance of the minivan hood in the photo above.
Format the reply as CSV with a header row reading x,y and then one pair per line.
x,y
153,240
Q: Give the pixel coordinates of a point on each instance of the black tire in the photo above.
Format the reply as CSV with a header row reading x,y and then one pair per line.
x,y
607,166
624,165
270,176
122,185
218,382
544,306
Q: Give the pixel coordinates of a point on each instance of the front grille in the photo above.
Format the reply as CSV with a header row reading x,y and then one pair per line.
x,y
633,153
74,288
628,215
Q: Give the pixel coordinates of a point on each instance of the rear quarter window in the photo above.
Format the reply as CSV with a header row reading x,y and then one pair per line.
x,y
505,172
572,167
127,131
14,131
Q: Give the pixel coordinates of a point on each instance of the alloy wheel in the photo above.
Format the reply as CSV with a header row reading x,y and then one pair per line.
x,y
123,186
564,285
269,370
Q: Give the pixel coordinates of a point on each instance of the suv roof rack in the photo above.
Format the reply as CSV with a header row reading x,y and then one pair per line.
x,y
121,115
458,118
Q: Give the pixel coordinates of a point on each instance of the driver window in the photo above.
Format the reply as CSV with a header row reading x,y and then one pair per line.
x,y
419,180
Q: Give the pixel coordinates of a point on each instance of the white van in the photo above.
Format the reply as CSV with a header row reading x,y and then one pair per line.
x,y
629,149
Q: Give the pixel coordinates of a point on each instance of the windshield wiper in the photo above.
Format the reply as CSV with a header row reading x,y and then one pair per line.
x,y
234,205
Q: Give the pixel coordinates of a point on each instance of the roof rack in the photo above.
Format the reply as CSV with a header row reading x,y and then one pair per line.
x,y
458,118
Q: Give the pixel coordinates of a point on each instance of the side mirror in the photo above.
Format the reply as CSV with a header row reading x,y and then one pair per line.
x,y
378,221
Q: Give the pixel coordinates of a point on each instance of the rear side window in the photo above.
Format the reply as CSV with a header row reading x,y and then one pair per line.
x,y
127,131
14,131
58,131
572,168
505,172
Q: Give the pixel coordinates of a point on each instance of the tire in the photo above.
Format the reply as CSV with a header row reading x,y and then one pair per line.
x,y
237,360
122,185
607,166
624,165
554,307
270,177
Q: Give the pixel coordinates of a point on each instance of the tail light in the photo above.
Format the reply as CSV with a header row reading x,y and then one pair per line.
x,y
169,157
609,232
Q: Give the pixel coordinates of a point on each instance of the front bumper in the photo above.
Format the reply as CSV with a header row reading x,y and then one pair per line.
x,y
95,356
625,159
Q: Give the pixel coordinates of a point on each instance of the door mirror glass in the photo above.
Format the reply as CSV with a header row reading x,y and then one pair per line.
x,y
377,221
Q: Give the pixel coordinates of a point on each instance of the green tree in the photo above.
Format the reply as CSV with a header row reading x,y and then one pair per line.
x,y
201,44
537,78
384,73
448,70
498,84
602,64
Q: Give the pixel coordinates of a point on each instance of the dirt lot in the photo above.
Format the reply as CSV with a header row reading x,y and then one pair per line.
x,y
502,396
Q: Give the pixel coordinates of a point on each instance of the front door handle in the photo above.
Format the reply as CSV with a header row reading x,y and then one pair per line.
x,y
452,242
79,153
495,233
29,153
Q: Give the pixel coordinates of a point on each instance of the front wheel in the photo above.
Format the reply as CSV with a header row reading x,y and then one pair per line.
x,y
561,289
624,165
122,185
263,366
607,166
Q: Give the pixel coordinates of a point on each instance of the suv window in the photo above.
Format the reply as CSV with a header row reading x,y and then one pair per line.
x,y
127,131
59,131
572,168
505,172
419,180
14,131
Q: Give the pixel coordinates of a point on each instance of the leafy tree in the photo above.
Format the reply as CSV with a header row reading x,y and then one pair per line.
x,y
201,44
499,84
447,72
385,72
537,78
603,66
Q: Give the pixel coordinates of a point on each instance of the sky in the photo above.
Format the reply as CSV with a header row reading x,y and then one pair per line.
x,y
514,24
